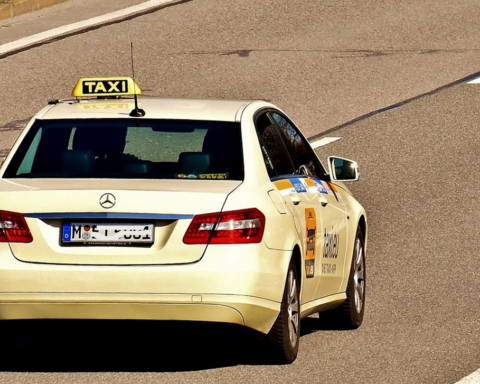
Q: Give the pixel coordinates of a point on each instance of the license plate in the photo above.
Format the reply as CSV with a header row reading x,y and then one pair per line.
x,y
103,233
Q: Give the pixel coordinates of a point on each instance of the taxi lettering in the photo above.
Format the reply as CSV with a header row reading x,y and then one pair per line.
x,y
330,245
93,87
329,268
104,106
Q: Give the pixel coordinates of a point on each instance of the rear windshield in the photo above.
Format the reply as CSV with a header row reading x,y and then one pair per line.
x,y
137,149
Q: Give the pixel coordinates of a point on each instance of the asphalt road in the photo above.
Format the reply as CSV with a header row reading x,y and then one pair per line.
x,y
325,63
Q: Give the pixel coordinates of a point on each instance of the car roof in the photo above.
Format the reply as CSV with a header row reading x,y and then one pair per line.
x,y
155,108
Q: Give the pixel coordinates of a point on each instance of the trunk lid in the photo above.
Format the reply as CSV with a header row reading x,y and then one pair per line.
x,y
166,205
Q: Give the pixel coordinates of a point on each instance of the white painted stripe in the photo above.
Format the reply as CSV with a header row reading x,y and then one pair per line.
x,y
324,141
475,81
474,378
39,37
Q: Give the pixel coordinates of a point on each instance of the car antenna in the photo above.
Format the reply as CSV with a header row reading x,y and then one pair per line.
x,y
136,112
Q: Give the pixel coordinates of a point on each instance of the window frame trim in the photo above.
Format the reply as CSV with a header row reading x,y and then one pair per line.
x,y
268,111
260,113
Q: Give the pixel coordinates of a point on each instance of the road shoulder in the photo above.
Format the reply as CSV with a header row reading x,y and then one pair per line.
x,y
12,8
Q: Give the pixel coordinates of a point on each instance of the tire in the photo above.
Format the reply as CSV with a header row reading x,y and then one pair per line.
x,y
349,315
284,337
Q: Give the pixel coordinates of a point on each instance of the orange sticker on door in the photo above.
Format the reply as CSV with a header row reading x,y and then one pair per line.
x,y
311,237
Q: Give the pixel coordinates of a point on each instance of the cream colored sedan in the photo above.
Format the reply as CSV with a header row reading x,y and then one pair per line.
x,y
193,210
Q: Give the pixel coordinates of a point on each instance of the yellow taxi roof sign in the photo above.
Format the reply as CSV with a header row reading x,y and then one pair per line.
x,y
106,86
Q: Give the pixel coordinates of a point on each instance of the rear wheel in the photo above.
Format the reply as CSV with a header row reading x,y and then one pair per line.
x,y
349,315
284,336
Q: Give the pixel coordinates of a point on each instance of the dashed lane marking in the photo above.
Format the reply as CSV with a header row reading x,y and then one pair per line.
x,y
324,141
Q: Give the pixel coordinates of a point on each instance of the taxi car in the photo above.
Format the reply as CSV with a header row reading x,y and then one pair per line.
x,y
114,206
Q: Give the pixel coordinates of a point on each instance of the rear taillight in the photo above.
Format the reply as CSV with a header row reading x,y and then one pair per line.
x,y
234,227
14,228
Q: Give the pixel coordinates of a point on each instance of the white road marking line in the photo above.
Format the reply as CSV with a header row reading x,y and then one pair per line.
x,y
475,81
25,42
474,378
324,141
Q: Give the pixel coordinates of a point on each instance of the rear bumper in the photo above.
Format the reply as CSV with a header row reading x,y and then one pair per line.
x,y
242,286
255,313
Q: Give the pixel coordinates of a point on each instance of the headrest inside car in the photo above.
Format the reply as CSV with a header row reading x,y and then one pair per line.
x,y
194,162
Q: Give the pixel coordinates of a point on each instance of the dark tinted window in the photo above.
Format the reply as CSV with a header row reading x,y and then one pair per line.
x,y
103,148
275,154
304,160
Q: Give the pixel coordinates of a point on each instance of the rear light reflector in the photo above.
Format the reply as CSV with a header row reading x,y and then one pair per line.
x,y
234,227
14,228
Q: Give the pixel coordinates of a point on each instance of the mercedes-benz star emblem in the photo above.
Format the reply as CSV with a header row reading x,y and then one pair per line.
x,y
107,200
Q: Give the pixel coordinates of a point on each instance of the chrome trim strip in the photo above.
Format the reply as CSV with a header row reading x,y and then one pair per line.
x,y
322,304
107,215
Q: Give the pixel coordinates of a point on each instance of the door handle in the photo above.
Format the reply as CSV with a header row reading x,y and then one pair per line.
x,y
323,201
295,200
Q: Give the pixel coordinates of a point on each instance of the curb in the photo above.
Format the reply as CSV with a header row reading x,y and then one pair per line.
x,y
12,8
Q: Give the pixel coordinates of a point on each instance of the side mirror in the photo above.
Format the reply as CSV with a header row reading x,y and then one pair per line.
x,y
343,169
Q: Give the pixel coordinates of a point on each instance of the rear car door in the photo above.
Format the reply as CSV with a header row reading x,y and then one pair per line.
x,y
299,192
324,216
